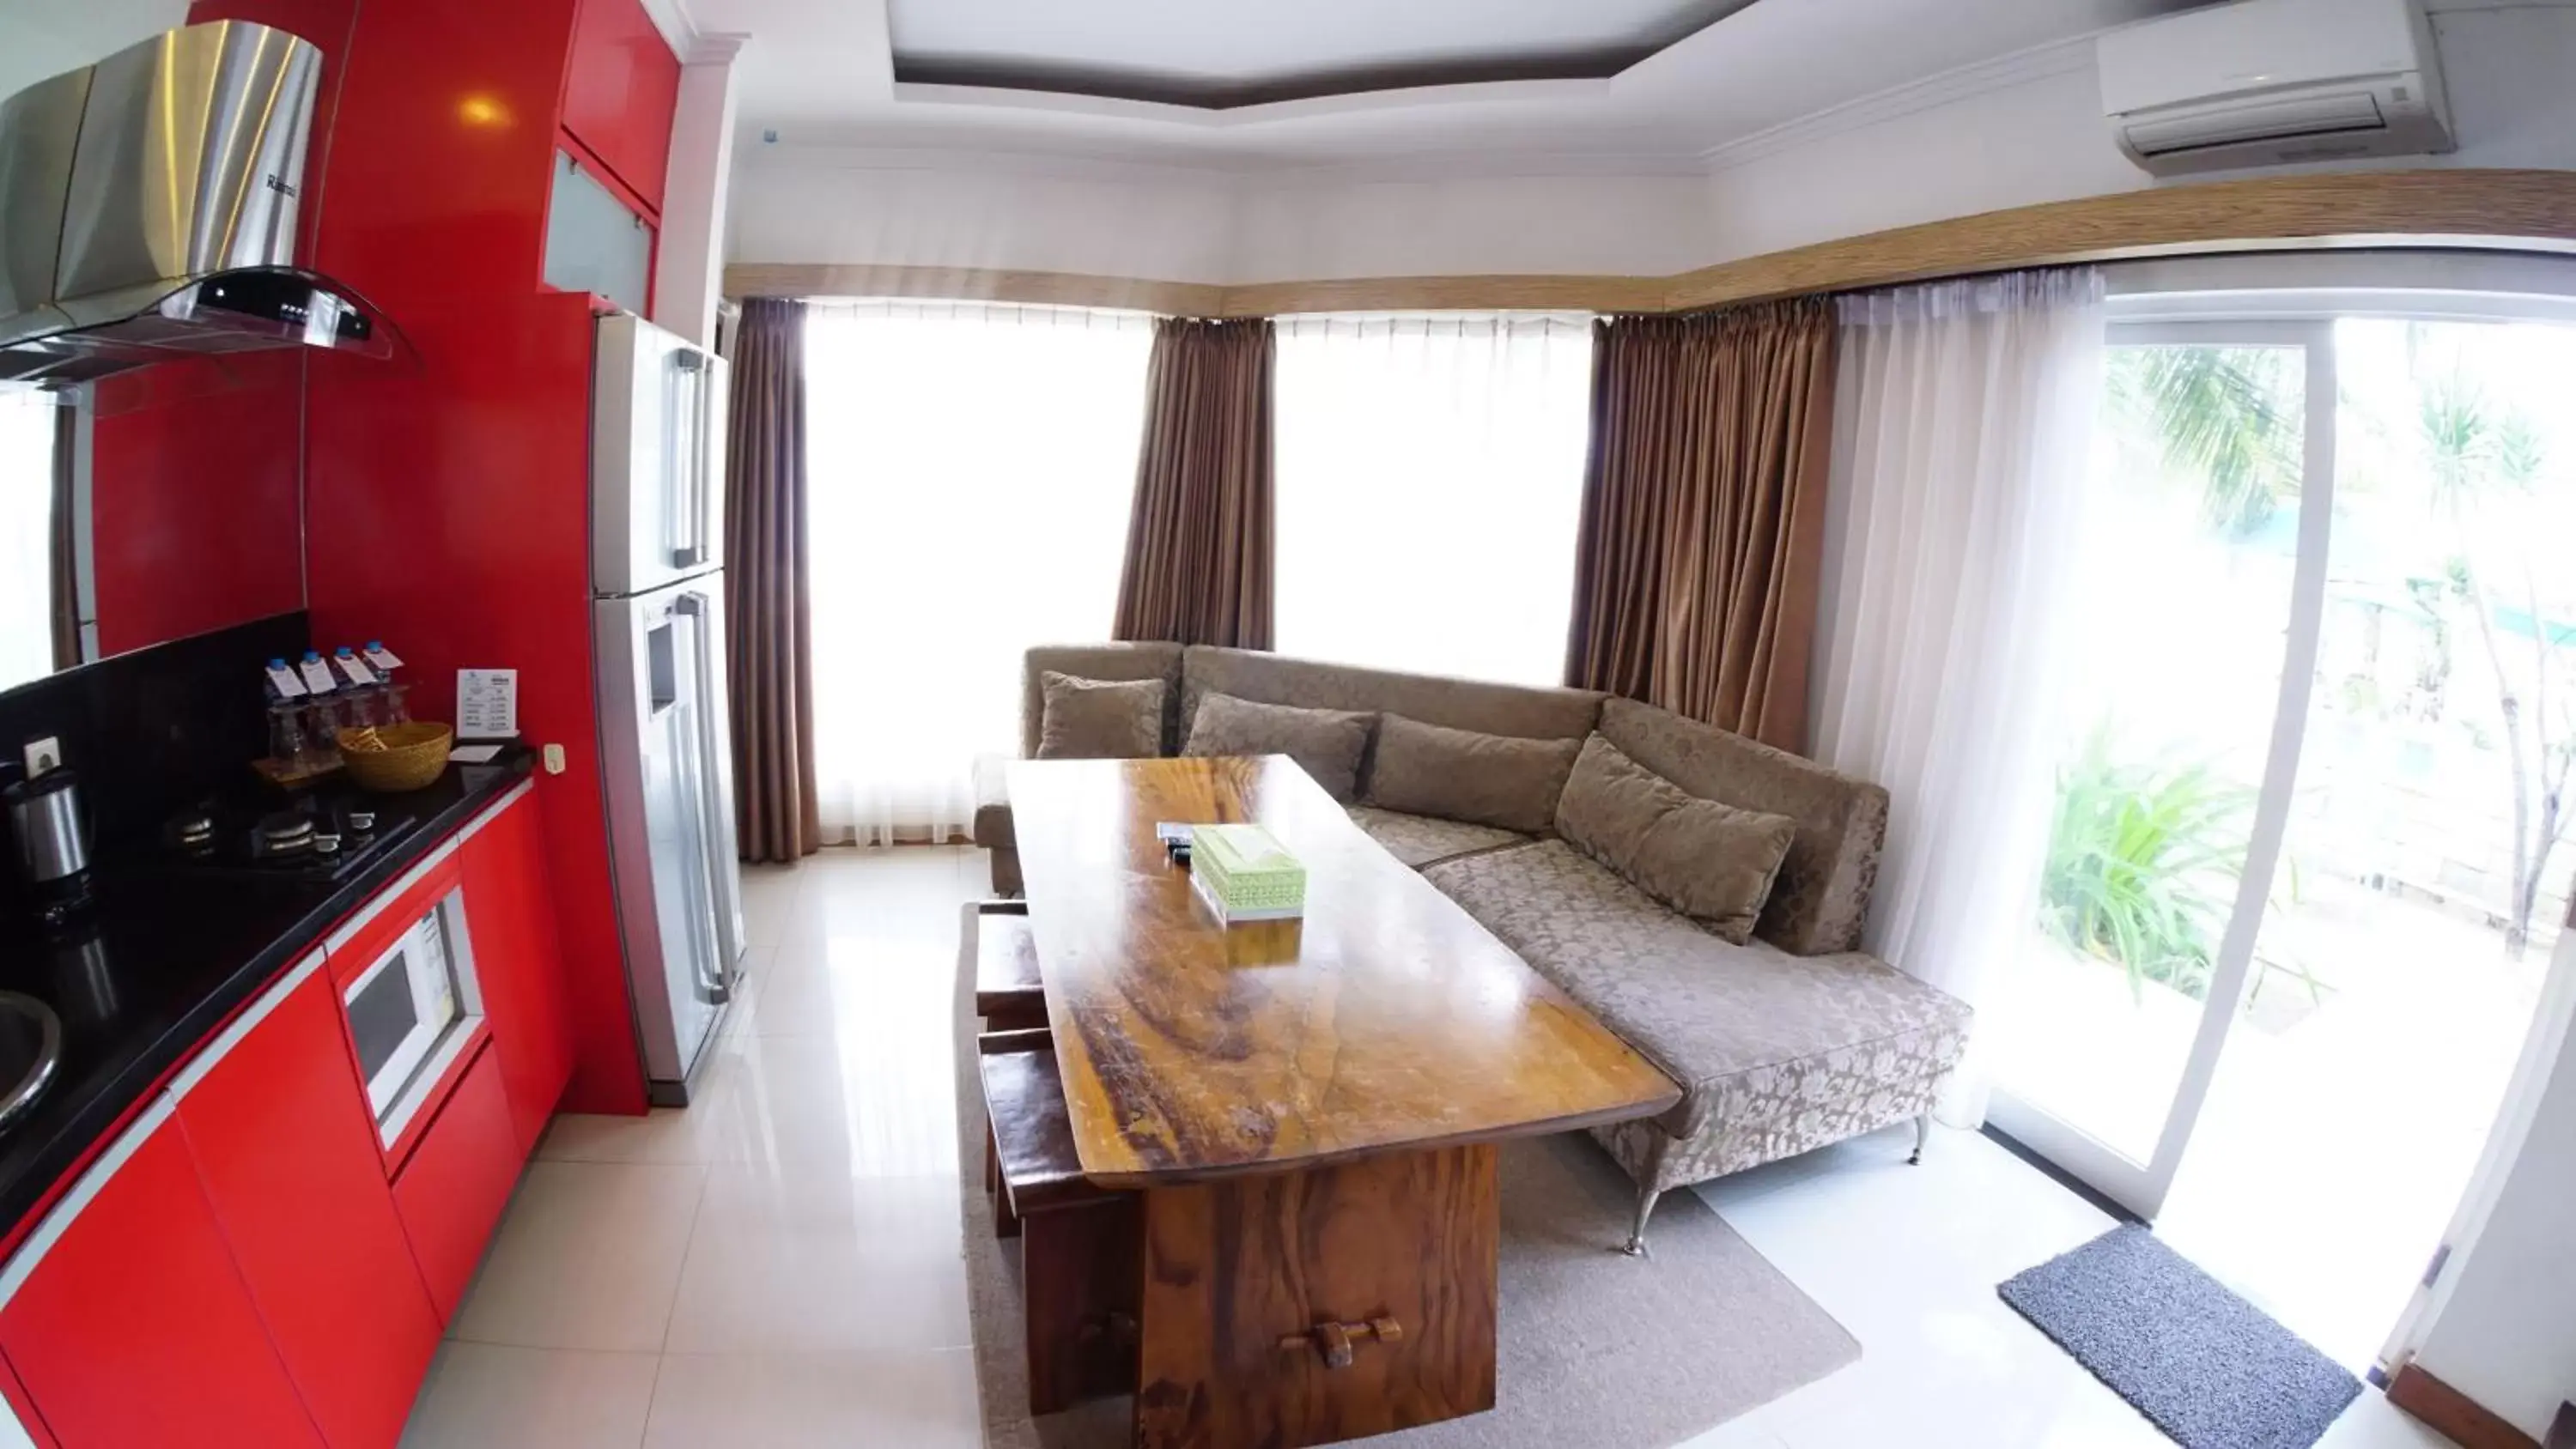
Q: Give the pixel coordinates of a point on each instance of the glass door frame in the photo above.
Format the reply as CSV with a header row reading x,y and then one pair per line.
x,y
2141,1187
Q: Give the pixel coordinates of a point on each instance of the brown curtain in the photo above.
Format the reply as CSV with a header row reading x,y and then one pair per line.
x,y
1703,514
1199,533
63,544
769,638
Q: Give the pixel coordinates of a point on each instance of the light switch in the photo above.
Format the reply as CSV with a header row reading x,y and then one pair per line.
x,y
554,759
44,755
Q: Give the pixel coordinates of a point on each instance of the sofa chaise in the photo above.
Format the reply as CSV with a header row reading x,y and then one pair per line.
x,y
1791,1041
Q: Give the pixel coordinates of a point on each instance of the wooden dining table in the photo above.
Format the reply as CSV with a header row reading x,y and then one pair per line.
x,y
1310,1108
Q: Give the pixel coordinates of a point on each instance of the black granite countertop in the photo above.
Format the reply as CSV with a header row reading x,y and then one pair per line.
x,y
165,957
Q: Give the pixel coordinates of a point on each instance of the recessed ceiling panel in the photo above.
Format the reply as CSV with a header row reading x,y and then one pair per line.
x,y
1227,53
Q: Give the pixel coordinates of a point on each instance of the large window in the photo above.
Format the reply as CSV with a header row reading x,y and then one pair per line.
x,y
1430,471
969,473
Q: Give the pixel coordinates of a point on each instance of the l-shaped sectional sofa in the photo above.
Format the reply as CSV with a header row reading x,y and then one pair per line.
x,y
1791,1041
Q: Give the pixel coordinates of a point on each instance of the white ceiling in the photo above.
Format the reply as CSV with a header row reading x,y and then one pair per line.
x,y
821,73
1234,52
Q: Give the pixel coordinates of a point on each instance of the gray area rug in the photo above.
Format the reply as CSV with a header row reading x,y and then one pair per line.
x,y
2202,1364
1599,1350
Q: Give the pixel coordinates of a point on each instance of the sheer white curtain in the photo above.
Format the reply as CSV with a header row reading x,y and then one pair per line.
x,y
1430,470
26,535
1963,416
969,470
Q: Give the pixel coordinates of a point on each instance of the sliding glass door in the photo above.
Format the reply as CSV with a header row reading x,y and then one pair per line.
x,y
2207,510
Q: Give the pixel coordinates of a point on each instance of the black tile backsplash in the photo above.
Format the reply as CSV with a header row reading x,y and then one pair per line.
x,y
150,731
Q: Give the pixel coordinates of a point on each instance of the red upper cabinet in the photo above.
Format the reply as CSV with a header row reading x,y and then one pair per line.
x,y
284,1144
622,87
510,913
132,1327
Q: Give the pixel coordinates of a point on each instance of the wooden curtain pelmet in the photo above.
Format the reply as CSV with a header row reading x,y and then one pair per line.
x,y
1702,523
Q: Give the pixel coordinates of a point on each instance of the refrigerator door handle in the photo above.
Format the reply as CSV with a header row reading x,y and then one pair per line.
x,y
686,464
715,812
701,434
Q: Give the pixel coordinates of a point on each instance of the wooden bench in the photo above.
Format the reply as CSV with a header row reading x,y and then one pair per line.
x,y
1081,1246
1008,994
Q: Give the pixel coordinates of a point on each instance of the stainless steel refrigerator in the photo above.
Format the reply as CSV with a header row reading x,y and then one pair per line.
x,y
658,634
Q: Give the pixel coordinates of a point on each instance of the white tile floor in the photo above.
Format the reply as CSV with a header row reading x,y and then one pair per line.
x,y
779,1265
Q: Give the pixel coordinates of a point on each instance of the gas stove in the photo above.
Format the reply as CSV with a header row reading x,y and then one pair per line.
x,y
317,838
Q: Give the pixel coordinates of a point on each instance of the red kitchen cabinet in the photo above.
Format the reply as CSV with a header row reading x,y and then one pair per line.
x,y
134,1328
22,1415
619,95
452,1191
510,913
280,1133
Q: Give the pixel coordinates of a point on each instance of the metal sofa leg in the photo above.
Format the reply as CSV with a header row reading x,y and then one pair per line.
x,y
1637,1231
1922,1135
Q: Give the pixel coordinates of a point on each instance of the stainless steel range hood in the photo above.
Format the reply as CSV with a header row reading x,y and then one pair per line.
x,y
148,208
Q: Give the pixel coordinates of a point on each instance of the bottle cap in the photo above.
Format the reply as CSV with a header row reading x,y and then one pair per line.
x,y
344,649
375,643
312,653
277,664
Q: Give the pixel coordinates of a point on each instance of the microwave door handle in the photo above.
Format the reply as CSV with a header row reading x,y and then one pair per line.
x,y
718,820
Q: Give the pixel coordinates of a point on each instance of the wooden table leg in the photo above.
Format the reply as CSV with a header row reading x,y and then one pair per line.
x,y
1311,1307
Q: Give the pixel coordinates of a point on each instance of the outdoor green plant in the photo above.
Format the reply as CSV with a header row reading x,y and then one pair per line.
x,y
2142,863
2228,418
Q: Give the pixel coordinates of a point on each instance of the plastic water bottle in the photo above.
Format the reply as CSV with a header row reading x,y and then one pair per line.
x,y
286,739
358,683
323,712
384,663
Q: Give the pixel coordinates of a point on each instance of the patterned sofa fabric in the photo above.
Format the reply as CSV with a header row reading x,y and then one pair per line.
x,y
1820,902
1428,769
1328,744
1102,662
1464,704
1770,1049
1421,840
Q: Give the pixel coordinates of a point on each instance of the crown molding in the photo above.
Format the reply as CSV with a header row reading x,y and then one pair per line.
x,y
1949,87
671,17
714,48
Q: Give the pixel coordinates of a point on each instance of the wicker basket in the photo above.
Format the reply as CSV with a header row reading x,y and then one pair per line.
x,y
391,759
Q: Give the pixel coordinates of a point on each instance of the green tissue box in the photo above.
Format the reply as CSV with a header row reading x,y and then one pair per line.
x,y
1245,874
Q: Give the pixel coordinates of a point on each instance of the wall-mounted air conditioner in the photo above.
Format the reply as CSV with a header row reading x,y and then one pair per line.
x,y
2268,82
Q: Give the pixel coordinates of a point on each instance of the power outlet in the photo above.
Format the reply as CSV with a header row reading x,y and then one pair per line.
x,y
43,756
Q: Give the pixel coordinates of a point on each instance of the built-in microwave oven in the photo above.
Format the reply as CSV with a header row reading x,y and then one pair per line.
x,y
411,1011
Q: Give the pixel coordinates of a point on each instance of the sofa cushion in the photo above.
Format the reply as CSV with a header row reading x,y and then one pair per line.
x,y
1100,719
1428,769
1325,743
1518,710
1097,661
1420,840
993,828
1821,900
1711,862
1809,1043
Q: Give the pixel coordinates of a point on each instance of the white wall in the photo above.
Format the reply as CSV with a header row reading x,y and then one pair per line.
x,y
2029,129
1325,227
1181,224
1020,213
2018,131
2506,1334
